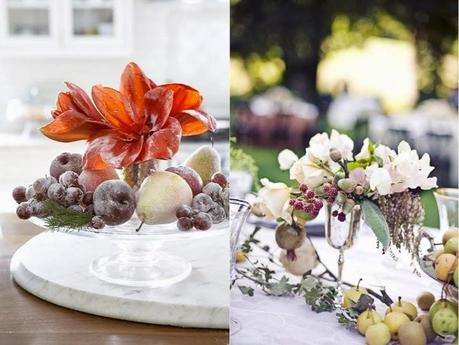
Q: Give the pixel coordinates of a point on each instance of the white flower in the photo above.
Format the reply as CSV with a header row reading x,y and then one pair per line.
x,y
380,179
364,153
410,171
307,172
319,147
275,198
343,144
286,159
384,153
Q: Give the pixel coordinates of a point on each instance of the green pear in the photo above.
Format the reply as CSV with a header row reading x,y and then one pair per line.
x,y
205,161
451,246
160,195
456,278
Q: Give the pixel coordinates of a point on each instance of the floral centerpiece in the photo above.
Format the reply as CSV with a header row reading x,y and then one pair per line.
x,y
384,183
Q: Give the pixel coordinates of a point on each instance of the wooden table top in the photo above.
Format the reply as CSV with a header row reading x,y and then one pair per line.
x,y
26,319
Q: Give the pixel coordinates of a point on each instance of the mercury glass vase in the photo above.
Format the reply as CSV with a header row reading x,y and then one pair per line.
x,y
341,236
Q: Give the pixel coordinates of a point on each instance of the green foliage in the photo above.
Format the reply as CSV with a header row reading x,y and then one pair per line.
x,y
376,221
62,218
240,160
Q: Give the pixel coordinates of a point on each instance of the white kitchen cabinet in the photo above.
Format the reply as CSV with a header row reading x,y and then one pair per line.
x,y
65,28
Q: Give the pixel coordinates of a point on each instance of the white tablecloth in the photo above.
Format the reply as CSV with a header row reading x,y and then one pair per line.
x,y
289,320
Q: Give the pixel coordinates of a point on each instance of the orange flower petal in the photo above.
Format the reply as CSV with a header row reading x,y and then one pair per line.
x,y
71,126
113,149
134,86
83,103
164,143
114,108
63,103
158,105
185,97
195,122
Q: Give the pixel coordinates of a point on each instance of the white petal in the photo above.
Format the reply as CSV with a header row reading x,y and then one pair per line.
x,y
286,159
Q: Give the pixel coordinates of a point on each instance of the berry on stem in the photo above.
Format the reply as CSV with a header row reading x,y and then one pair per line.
x,y
341,217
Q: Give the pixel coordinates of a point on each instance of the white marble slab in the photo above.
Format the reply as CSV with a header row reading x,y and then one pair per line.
x,y
55,267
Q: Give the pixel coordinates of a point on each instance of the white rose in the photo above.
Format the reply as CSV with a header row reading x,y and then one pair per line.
x,y
307,172
343,144
380,179
364,153
275,198
286,159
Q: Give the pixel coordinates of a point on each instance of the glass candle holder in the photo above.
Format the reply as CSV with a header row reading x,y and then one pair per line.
x,y
447,203
341,236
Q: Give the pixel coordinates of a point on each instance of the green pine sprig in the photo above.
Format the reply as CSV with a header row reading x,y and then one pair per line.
x,y
64,219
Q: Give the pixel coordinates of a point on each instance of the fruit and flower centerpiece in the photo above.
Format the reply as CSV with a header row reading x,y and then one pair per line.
x,y
378,186
130,129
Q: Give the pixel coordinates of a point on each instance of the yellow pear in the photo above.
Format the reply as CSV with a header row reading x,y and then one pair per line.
x,y
366,319
405,307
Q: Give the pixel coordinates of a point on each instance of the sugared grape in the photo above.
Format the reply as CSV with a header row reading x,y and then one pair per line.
x,y
202,202
69,179
73,195
76,208
89,209
87,198
30,193
39,209
213,190
40,186
97,222
184,211
220,179
184,224
218,214
202,221
56,192
24,211
19,194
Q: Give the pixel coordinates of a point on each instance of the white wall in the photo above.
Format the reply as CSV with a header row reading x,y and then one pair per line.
x,y
173,40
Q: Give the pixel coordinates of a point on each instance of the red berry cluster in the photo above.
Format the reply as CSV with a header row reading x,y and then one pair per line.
x,y
340,215
330,192
309,202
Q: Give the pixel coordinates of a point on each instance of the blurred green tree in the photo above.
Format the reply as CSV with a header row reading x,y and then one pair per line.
x,y
300,32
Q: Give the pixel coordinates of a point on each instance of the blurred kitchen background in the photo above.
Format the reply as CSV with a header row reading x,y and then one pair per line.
x,y
44,43
385,69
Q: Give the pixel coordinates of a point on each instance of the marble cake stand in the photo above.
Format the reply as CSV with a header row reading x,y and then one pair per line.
x,y
55,267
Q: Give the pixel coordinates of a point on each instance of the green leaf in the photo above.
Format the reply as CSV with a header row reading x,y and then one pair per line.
x,y
246,290
376,221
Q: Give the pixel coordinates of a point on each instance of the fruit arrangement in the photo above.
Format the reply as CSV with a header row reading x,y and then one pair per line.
x,y
73,198
401,322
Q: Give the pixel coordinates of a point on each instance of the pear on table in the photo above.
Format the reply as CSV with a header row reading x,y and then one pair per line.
x,y
205,161
160,195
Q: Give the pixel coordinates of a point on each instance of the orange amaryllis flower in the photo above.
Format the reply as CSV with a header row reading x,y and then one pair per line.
x,y
140,122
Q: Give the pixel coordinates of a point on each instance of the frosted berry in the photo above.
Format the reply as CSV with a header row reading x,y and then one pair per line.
x,y
24,211
30,193
335,213
318,204
97,222
76,208
19,194
220,179
73,195
202,221
218,214
341,217
202,202
87,198
39,209
184,211
291,202
184,224
298,204
89,209
213,190
56,192
69,179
